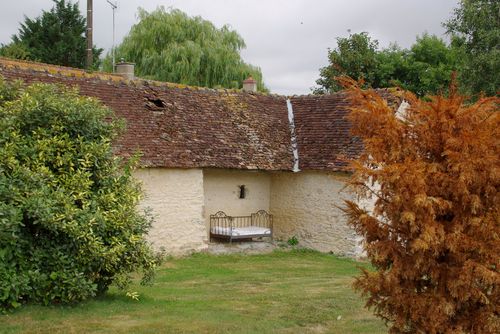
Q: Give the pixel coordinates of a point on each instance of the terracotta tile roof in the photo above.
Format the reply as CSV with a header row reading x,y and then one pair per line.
x,y
179,126
323,134
186,127
322,131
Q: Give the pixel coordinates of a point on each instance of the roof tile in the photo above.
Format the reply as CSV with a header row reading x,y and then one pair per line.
x,y
180,126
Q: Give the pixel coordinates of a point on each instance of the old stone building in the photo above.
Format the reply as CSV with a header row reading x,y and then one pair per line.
x,y
203,148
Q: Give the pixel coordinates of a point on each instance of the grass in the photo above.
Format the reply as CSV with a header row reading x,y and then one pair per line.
x,y
282,292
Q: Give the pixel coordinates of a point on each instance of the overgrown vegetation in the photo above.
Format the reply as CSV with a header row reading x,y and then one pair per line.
x,y
168,45
68,221
434,234
282,292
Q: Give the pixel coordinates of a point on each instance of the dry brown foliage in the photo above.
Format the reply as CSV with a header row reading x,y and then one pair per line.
x,y
433,234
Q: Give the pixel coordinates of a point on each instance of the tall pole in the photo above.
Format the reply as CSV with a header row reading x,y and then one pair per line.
x,y
113,50
89,35
113,6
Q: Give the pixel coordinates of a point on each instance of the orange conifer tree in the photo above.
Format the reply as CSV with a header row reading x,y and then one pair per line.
x,y
433,235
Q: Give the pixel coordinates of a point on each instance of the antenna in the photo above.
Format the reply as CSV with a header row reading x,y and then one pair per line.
x,y
113,7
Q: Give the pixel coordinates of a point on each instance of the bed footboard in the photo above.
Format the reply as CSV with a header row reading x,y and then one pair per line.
x,y
258,224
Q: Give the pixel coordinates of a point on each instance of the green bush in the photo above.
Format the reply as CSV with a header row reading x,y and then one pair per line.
x,y
293,241
68,220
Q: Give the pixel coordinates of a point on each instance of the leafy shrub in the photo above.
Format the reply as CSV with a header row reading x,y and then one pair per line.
x,y
293,241
434,234
68,220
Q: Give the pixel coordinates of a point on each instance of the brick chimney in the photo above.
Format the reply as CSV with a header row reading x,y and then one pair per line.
x,y
250,85
125,69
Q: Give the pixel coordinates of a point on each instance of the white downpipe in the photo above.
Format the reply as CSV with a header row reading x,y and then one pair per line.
x,y
293,136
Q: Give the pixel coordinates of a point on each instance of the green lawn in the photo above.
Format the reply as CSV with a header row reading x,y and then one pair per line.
x,y
282,292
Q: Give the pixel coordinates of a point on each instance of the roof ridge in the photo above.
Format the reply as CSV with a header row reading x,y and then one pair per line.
x,y
65,71
342,93
58,69
393,90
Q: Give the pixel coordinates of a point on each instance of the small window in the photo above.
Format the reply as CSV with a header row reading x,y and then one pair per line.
x,y
242,191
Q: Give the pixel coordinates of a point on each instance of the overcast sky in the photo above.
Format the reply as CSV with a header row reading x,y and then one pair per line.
x,y
288,39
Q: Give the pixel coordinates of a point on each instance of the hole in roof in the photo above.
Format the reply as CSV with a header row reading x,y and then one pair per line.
x,y
154,102
158,102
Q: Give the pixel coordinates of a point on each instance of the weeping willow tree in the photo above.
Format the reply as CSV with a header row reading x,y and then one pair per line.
x,y
169,45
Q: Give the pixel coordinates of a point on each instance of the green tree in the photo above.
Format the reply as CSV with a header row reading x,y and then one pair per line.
x,y
56,37
171,46
475,31
355,57
68,220
425,68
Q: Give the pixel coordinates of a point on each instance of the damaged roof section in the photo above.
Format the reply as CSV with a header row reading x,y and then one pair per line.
x,y
179,126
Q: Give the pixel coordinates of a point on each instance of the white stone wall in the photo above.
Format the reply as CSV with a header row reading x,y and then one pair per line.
x,y
221,188
176,199
304,205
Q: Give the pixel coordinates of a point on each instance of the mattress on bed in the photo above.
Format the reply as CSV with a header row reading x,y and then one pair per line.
x,y
241,231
